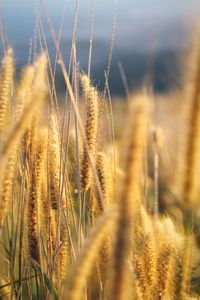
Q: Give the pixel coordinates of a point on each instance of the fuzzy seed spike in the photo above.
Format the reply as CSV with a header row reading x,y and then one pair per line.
x,y
54,163
24,90
190,163
5,89
102,172
64,251
81,270
130,199
91,97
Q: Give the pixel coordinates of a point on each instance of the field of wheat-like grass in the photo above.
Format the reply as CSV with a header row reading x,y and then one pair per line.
x,y
98,200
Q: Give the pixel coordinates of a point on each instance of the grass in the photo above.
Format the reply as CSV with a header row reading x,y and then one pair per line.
x,y
90,209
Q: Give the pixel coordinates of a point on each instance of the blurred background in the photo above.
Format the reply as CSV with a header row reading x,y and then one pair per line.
x,y
151,37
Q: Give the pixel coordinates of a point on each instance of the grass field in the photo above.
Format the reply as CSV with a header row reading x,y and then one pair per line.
x,y
99,197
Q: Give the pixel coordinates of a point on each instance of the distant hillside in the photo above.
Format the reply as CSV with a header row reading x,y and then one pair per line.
x,y
162,70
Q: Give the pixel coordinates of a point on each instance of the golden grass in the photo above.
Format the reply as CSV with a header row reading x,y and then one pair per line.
x,y
78,223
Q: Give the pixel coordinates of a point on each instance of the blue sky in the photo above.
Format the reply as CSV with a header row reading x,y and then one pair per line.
x,y
19,14
140,23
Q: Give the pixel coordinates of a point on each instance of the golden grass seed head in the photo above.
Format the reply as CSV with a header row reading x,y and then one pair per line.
x,y
9,149
188,180
102,172
32,222
141,284
7,182
91,96
64,251
182,271
24,90
104,258
53,229
37,99
32,209
33,204
41,175
80,271
54,163
5,89
165,241
130,198
135,154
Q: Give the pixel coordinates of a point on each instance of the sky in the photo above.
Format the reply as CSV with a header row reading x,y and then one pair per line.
x,y
141,24
19,14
